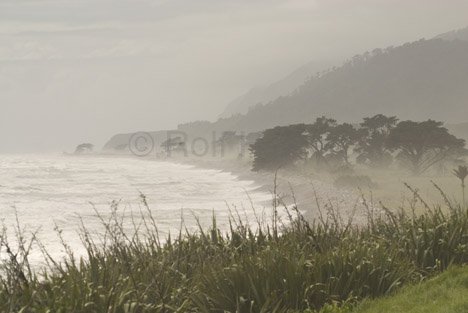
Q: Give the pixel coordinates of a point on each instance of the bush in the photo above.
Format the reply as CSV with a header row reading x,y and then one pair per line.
x,y
323,265
354,181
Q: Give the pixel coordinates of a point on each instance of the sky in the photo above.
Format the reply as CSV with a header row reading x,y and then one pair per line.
x,y
74,71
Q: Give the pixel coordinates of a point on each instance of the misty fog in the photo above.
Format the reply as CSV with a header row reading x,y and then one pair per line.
x,y
82,71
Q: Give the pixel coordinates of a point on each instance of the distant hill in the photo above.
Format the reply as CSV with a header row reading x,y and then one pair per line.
x,y
460,34
419,80
285,86
124,143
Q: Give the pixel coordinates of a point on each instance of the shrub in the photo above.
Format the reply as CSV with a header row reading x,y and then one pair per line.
x,y
324,265
354,181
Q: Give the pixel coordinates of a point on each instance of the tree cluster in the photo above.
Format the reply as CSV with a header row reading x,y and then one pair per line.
x,y
377,142
84,148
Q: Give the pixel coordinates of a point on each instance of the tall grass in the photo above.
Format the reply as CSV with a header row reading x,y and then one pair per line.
x,y
270,268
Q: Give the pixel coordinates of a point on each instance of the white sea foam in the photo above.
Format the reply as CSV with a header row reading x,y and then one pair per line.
x,y
45,191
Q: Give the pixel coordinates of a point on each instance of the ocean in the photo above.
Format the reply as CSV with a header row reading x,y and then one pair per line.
x,y
48,194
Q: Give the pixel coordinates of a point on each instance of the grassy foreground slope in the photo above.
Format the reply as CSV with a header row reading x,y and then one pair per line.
x,y
281,267
446,293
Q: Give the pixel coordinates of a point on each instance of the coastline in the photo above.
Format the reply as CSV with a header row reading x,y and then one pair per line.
x,y
313,197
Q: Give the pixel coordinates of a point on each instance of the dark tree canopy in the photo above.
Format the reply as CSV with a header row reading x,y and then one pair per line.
x,y
423,144
84,148
416,145
340,139
173,144
279,146
379,123
372,146
317,136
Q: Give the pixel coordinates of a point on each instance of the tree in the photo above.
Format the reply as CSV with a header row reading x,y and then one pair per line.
x,y
372,144
340,139
174,144
317,134
84,148
279,146
421,145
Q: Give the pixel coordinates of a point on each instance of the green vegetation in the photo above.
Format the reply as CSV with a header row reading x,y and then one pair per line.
x,y
378,143
353,181
293,266
84,148
462,172
446,293
279,146
423,78
372,146
421,145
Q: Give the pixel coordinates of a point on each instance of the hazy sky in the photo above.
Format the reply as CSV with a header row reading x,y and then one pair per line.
x,y
76,71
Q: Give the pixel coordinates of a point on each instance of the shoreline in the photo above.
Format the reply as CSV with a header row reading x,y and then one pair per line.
x,y
312,196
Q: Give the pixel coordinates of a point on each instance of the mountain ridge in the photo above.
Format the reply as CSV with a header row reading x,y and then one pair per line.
x,y
264,94
425,79
288,84
459,34
419,80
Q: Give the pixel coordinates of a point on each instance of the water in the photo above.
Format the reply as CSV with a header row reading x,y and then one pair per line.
x,y
48,191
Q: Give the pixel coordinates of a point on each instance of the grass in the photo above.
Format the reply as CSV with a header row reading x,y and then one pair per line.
x,y
287,267
446,293
392,191
389,185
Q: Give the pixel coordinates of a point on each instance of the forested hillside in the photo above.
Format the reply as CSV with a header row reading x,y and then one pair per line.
x,y
460,34
282,87
423,79
287,85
